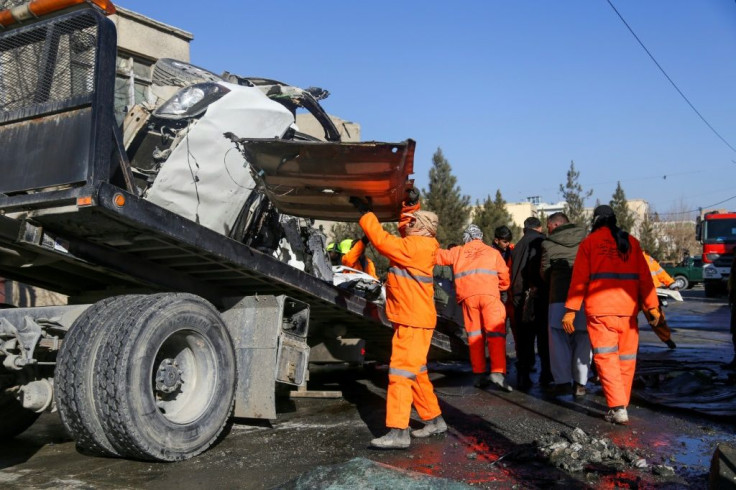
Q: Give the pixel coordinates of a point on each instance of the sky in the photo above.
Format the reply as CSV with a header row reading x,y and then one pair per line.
x,y
512,91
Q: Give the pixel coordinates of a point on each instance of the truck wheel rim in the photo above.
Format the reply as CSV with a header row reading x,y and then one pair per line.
x,y
184,376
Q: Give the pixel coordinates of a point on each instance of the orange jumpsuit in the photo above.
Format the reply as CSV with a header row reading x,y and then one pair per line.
x,y
613,290
480,274
660,279
410,307
352,259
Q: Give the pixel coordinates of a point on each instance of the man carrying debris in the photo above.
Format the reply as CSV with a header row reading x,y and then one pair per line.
x,y
480,275
569,350
410,307
661,279
613,279
355,258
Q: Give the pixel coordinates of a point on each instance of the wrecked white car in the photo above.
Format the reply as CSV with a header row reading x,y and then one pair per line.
x,y
226,153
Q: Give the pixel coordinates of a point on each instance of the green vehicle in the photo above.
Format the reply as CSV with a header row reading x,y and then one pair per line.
x,y
687,273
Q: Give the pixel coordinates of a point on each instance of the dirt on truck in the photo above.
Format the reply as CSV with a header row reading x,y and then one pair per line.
x,y
198,288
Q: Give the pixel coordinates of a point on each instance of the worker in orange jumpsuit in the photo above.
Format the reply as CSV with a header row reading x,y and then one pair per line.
x,y
480,275
661,279
410,307
354,257
612,277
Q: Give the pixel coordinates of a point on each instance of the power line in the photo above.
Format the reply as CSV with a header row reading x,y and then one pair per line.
x,y
668,78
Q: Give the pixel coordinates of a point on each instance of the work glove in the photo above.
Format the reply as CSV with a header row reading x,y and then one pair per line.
x,y
362,205
412,196
654,316
673,286
568,322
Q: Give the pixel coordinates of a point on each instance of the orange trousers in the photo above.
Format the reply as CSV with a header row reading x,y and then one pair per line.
x,y
615,340
485,318
408,380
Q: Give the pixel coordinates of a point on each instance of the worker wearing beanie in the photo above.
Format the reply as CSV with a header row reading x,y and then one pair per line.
x,y
480,275
613,279
410,307
661,279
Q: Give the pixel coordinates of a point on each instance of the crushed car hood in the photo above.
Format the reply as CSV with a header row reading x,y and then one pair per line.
x,y
316,179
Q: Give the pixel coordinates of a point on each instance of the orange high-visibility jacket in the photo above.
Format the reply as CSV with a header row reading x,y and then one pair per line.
x,y
409,284
659,275
352,260
609,284
478,269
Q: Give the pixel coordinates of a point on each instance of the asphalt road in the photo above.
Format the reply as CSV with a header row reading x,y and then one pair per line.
x,y
323,443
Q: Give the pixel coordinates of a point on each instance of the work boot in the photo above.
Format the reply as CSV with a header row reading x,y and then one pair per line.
x,y
432,427
480,380
617,416
499,379
395,439
579,390
671,344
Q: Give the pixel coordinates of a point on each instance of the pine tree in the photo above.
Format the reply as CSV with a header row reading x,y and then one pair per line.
x,y
444,198
648,237
625,219
492,214
574,197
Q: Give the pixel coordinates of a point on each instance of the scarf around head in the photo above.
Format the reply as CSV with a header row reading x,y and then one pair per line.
x,y
426,223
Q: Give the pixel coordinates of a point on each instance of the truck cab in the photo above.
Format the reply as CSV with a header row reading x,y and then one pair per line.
x,y
716,230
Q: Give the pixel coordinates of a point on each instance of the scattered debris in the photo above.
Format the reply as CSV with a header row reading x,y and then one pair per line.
x,y
575,451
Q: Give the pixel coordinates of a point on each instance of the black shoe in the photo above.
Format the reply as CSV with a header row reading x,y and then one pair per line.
x,y
560,389
546,379
523,382
671,344
480,380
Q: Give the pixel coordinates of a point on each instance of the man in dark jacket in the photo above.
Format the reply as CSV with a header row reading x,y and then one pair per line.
x,y
530,300
569,352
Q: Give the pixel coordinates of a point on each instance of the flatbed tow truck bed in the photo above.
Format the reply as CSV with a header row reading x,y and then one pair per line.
x,y
140,247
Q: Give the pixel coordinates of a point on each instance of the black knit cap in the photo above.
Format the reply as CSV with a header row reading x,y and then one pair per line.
x,y
603,211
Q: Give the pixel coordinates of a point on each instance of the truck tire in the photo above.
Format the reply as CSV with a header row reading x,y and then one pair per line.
x,y
166,379
14,418
74,375
711,290
682,282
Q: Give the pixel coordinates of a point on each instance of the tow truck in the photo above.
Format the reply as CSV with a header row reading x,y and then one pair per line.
x,y
173,326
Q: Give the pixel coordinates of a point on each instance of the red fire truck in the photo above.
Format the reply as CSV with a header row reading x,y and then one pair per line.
x,y
717,232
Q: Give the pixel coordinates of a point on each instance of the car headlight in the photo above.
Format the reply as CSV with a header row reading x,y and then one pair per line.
x,y
191,101
712,256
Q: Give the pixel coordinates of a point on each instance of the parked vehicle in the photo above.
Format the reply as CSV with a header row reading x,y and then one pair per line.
x,y
717,232
184,309
687,273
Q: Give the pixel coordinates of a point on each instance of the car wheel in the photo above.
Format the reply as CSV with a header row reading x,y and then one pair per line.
x,y
682,282
166,379
75,375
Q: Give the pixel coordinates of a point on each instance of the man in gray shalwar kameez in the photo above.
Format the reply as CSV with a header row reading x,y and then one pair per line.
x,y
569,352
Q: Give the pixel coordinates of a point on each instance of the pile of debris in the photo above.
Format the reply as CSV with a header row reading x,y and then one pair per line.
x,y
574,451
